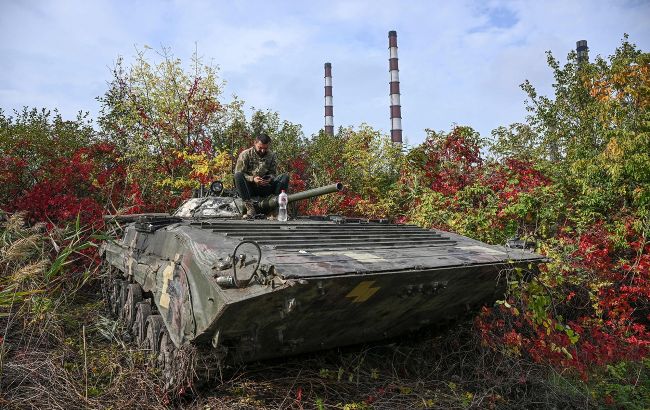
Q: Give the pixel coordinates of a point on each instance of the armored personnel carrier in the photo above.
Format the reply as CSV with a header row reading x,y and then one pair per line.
x,y
229,289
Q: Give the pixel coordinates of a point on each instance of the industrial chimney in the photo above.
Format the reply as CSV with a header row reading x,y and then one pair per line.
x,y
583,51
395,107
329,106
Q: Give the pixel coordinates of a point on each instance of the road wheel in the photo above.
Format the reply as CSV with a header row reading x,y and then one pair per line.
x,y
142,313
153,327
165,360
117,298
133,297
107,286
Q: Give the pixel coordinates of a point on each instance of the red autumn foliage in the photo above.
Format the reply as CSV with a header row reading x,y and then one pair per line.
x,y
451,163
514,177
13,171
607,312
298,179
64,187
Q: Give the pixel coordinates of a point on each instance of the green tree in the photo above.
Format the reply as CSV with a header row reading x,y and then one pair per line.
x,y
168,121
39,136
175,130
367,163
160,106
32,140
515,141
593,135
288,139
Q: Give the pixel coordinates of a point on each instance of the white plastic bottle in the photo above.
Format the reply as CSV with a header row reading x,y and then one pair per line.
x,y
282,207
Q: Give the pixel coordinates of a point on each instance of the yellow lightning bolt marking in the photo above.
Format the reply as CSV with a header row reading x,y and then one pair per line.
x,y
363,291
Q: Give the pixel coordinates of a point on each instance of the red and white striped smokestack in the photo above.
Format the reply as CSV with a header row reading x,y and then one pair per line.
x,y
395,107
329,105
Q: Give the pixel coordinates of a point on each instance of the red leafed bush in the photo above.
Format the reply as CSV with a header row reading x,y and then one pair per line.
x,y
595,313
298,180
84,184
451,161
13,173
514,177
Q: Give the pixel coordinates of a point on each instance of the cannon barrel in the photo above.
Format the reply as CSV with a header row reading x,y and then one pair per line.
x,y
272,202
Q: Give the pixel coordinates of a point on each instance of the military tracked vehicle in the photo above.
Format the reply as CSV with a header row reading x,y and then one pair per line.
x,y
238,290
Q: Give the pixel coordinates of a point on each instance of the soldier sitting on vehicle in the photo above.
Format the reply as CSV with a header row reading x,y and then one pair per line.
x,y
255,173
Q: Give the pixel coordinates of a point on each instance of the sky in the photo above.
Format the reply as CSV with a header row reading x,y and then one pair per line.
x,y
461,62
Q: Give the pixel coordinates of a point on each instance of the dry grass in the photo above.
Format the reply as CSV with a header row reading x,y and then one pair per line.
x,y
53,350
46,370
21,249
65,362
30,271
448,371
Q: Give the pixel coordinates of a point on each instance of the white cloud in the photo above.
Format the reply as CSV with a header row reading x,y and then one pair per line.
x,y
460,61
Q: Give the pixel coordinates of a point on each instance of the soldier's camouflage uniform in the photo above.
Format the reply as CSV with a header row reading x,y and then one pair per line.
x,y
249,165
252,165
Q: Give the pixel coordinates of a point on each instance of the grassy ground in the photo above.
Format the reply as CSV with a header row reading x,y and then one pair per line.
x,y
74,357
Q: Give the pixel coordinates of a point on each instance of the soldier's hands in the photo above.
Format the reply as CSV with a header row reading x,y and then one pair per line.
x,y
260,181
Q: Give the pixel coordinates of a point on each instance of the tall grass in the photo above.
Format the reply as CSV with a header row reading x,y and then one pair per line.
x,y
53,353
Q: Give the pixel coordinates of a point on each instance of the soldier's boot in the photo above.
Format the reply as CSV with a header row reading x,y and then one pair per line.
x,y
250,210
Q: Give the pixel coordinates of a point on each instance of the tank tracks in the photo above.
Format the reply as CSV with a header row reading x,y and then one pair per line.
x,y
181,369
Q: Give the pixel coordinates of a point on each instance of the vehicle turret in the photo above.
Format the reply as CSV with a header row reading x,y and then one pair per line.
x,y
221,203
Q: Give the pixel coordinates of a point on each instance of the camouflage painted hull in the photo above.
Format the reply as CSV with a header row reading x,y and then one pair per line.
x,y
319,283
